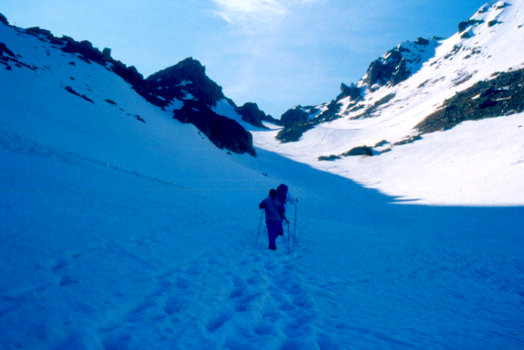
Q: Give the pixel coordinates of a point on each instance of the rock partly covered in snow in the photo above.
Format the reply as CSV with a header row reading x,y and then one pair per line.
x,y
187,80
399,63
253,115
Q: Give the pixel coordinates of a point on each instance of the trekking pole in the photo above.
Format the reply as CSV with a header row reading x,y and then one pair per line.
x,y
259,225
295,223
288,238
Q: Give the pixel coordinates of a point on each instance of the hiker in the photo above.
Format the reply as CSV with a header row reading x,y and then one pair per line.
x,y
285,197
274,216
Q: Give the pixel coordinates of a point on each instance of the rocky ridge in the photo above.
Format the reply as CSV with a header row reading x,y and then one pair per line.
x,y
185,82
453,64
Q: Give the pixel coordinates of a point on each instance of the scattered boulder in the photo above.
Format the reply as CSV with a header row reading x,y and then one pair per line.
x,y
359,151
72,91
355,151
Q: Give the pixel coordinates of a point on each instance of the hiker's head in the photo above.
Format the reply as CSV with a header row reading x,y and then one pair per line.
x,y
273,193
282,188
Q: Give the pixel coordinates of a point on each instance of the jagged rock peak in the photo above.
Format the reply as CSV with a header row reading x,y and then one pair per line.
x,y
399,63
352,91
185,80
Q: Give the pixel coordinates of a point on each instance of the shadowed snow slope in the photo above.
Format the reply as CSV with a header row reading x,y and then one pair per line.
x,y
119,232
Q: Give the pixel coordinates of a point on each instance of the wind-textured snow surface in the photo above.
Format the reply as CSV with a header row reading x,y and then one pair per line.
x,y
120,232
476,163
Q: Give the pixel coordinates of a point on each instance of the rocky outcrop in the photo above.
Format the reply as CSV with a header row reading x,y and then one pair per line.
x,y
355,151
398,64
3,19
253,115
5,51
295,115
462,26
503,95
352,91
185,80
223,132
387,70
299,119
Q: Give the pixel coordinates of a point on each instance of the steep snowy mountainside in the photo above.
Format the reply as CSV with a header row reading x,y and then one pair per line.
x,y
395,66
381,120
66,102
169,89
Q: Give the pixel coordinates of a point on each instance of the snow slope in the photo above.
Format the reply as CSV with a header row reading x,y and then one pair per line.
x,y
476,163
118,233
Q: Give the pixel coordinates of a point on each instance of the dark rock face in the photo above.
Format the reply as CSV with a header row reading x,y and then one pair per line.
x,y
6,56
503,95
186,77
5,51
353,92
392,68
298,120
294,115
462,26
382,71
222,131
295,131
253,115
3,19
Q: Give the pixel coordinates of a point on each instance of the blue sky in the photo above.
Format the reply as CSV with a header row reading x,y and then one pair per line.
x,y
278,53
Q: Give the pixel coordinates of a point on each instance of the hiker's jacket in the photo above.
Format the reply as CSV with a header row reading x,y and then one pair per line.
x,y
274,209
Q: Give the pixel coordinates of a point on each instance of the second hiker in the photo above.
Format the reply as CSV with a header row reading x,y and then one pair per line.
x,y
274,215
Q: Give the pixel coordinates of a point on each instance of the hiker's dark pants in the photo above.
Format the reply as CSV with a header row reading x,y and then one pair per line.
x,y
273,229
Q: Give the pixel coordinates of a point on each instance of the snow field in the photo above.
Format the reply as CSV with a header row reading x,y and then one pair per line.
x,y
117,234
